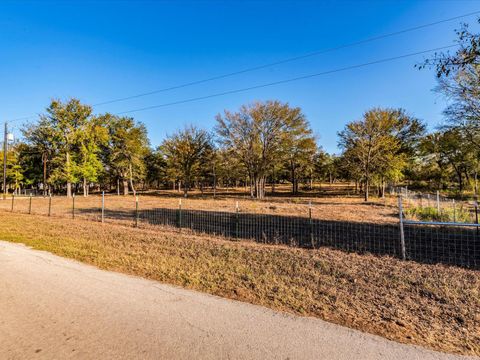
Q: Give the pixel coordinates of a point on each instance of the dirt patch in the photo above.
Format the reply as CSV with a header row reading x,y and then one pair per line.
x,y
338,208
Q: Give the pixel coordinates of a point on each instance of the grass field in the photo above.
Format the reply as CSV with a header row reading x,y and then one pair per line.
x,y
328,202
429,305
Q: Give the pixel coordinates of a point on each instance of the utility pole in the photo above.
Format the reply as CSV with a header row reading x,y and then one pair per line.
x,y
5,148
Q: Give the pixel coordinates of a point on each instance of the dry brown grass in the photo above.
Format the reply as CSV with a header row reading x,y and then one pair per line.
x,y
429,305
340,207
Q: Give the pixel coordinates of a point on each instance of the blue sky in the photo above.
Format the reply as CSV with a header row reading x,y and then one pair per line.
x,y
102,50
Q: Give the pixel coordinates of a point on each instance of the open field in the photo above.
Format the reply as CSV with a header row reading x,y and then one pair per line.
x,y
435,306
327,217
328,202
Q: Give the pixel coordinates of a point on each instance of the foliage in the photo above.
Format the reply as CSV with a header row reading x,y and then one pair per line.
x,y
429,213
262,136
375,147
126,149
188,153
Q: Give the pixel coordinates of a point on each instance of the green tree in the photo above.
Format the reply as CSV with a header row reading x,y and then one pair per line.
x,y
15,174
68,120
91,136
126,150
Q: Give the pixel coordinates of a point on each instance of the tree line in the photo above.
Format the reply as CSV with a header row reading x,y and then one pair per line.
x,y
71,149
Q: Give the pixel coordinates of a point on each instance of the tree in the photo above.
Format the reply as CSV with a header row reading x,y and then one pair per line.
x,y
454,156
229,169
15,173
156,168
324,166
41,140
127,147
67,120
187,152
300,148
377,143
467,55
91,136
459,81
258,135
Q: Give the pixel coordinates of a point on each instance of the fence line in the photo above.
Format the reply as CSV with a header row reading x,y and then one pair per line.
x,y
445,242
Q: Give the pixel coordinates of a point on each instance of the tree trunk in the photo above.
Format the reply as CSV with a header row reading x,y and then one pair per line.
x,y
69,184
475,177
367,185
131,179
44,158
252,187
125,186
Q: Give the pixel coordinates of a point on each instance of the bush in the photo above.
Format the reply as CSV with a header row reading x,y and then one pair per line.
x,y
430,213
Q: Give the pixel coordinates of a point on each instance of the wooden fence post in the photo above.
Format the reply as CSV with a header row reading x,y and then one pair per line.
x,y
73,206
49,204
13,201
30,205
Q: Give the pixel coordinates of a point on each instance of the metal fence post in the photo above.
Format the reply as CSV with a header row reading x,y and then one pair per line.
x,y
73,206
136,210
50,204
402,235
312,240
30,205
236,220
180,213
13,201
103,206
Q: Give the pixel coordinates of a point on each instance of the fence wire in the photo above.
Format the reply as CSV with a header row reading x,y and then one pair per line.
x,y
430,242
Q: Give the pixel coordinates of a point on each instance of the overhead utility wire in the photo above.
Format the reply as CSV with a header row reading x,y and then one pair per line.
x,y
295,58
351,67
277,62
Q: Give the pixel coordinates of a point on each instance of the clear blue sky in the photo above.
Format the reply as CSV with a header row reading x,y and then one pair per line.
x,y
102,50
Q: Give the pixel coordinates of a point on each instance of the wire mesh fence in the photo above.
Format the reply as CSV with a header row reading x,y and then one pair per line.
x,y
409,238
436,207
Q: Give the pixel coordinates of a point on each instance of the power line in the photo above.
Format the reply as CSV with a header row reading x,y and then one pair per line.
x,y
351,67
295,58
279,82
272,64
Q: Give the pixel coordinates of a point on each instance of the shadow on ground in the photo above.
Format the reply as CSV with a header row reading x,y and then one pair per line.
x,y
458,246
